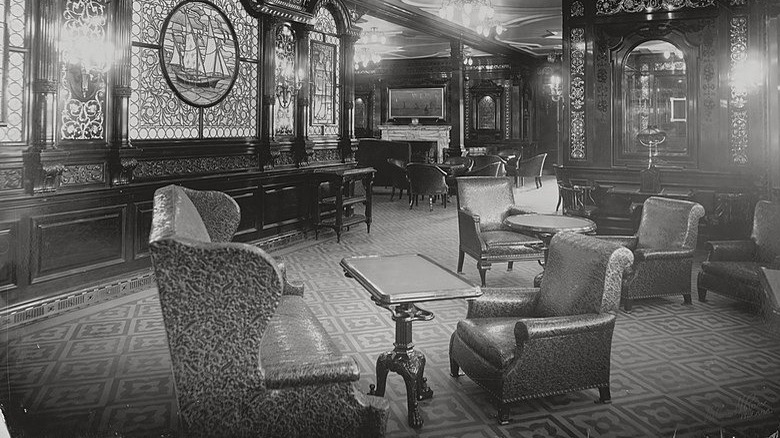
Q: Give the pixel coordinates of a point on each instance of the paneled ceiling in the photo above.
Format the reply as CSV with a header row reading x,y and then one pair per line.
x,y
414,29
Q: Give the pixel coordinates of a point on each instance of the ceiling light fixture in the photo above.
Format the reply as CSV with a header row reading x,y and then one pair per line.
x,y
369,47
473,14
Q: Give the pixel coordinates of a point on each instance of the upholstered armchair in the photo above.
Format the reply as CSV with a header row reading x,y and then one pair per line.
x,y
483,204
426,180
248,356
523,343
484,160
398,179
732,266
494,169
663,249
529,168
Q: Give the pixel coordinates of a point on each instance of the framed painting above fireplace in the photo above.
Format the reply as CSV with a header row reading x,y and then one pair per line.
x,y
417,103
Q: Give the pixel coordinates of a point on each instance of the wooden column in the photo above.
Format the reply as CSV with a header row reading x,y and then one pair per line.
x,y
457,115
45,79
302,146
121,168
347,128
267,89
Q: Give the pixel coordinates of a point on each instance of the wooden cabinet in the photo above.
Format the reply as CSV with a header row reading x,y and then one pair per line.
x,y
337,196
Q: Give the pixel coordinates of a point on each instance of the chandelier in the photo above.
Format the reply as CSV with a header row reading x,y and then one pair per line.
x,y
369,47
474,14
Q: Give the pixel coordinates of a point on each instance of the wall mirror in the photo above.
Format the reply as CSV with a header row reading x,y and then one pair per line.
x,y
655,98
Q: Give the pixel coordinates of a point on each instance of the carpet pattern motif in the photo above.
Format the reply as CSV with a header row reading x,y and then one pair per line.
x,y
685,371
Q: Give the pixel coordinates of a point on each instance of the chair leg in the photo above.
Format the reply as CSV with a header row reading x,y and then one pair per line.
x,y
558,205
392,194
454,369
702,294
687,299
411,201
503,413
509,266
538,182
627,305
461,255
483,268
430,202
604,396
444,200
522,181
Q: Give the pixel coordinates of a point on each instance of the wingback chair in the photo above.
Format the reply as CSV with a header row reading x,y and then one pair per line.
x,y
526,343
732,266
248,356
663,249
398,179
483,204
426,180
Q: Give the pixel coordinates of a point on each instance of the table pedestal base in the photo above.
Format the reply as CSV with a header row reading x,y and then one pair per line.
x,y
411,367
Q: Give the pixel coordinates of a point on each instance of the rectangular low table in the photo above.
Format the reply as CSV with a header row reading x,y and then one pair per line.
x,y
396,283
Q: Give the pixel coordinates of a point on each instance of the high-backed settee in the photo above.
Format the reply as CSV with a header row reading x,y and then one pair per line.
x,y
374,153
249,358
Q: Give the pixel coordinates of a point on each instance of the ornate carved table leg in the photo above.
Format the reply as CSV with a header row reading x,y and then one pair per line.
x,y
405,361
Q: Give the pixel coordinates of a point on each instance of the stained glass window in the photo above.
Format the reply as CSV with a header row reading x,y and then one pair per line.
x,y
325,58
486,113
83,66
156,112
284,78
13,53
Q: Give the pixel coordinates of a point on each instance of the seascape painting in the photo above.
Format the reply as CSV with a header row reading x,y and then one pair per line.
x,y
419,103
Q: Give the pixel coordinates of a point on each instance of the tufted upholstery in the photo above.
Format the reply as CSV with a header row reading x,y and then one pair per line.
x,y
732,266
483,204
526,343
236,330
427,180
663,249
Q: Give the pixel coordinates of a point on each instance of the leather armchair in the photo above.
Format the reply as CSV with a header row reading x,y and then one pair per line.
x,y
426,179
663,249
248,356
374,153
530,168
483,204
732,266
525,343
484,160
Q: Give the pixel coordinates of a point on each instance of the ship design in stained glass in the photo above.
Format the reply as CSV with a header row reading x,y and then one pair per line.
x,y
199,53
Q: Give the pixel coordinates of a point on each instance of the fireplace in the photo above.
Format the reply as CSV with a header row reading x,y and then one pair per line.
x,y
420,135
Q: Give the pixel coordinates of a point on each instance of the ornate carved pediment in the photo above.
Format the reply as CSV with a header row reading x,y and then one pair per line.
x,y
293,10
612,7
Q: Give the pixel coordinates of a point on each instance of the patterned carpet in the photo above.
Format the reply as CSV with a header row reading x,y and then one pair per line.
x,y
685,371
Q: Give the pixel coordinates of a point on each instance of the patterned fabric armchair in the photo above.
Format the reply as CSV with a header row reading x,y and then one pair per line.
x,y
483,204
529,168
663,249
526,343
732,267
248,356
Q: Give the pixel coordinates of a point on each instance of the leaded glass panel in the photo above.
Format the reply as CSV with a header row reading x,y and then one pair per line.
x,y
486,113
12,63
323,80
284,78
156,112
83,65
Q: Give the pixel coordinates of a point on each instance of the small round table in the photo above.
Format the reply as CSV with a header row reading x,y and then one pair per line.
x,y
545,226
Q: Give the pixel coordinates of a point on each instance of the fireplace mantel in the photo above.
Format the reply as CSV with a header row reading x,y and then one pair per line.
x,y
438,133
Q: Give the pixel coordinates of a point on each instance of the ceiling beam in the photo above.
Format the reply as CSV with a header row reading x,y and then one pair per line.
x,y
394,11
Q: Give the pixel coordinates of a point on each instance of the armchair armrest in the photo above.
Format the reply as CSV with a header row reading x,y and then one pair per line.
x,y
627,241
468,231
500,302
662,254
536,328
516,209
775,263
730,250
310,372
288,287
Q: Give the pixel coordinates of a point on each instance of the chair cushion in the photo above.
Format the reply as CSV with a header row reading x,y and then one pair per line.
x,y
745,272
507,243
491,338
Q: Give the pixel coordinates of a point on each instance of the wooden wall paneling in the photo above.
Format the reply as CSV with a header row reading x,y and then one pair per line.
x,y
9,252
142,226
248,199
76,241
285,203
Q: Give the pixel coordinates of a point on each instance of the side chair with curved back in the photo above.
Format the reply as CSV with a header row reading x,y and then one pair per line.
x,y
483,204
426,179
529,168
398,179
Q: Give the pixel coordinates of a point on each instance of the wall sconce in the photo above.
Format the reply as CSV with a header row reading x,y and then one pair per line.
x,y
555,88
288,87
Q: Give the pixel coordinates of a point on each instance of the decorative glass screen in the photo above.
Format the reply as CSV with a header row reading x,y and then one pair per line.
x,y
325,58
486,113
13,58
83,65
284,78
157,111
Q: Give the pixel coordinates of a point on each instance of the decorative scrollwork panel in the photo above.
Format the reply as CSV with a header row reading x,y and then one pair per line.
x,y
325,58
612,7
577,146
738,117
236,115
13,88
